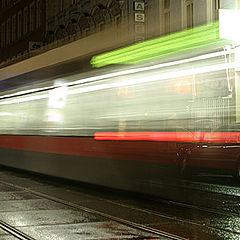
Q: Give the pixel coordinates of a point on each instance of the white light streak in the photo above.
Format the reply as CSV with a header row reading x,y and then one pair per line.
x,y
156,77
130,81
24,99
4,114
57,97
122,73
133,81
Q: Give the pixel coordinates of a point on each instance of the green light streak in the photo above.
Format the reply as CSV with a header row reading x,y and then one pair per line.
x,y
187,40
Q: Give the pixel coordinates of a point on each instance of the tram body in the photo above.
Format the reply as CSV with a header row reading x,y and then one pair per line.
x,y
128,128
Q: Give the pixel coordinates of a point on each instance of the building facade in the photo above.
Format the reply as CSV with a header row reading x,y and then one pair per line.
x,y
29,24
22,24
65,18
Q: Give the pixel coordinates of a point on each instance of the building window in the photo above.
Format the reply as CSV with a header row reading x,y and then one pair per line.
x,y
99,18
39,14
117,25
100,26
3,34
166,11
14,28
166,4
19,25
217,4
117,21
84,25
85,32
25,20
189,14
167,22
8,32
32,17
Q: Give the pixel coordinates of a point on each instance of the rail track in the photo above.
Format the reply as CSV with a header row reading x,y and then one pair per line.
x,y
116,204
22,236
14,231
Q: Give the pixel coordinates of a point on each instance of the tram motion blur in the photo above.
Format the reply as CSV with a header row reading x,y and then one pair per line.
x,y
129,126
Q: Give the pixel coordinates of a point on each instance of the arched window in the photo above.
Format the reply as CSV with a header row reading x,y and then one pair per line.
x,y
166,11
71,28
98,15
114,8
187,14
84,25
60,33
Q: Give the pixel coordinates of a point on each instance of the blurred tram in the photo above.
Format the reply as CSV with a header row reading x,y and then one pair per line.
x,y
129,126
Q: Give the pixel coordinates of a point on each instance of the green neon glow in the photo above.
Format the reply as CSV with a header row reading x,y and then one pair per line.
x,y
187,40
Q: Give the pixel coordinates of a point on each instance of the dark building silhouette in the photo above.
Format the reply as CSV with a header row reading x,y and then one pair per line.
x,y
22,24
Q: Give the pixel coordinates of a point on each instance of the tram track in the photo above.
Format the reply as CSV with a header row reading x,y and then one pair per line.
x,y
213,192
213,188
178,204
192,207
136,226
14,231
131,224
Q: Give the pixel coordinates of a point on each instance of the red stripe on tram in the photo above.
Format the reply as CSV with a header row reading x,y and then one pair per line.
x,y
210,137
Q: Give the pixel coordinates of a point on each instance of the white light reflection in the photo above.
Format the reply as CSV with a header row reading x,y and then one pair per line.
x,y
229,24
57,97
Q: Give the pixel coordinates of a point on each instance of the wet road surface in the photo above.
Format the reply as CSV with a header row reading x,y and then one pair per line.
x,y
47,209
